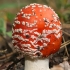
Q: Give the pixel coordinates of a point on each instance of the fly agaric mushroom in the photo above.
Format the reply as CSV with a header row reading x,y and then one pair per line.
x,y
37,34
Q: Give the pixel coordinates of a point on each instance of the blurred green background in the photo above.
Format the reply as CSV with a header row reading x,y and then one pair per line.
x,y
9,8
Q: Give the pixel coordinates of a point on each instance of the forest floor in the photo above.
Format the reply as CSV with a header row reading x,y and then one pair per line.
x,y
7,62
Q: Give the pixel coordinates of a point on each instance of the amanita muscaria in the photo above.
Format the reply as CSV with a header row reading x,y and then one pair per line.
x,y
37,34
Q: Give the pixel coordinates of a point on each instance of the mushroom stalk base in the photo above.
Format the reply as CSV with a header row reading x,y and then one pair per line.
x,y
38,64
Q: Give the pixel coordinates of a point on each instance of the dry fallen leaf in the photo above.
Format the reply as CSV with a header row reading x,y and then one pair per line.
x,y
57,67
65,65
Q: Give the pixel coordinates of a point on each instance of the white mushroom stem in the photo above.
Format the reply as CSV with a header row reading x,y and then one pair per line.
x,y
38,64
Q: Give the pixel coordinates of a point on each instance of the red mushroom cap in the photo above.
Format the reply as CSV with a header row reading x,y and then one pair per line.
x,y
37,31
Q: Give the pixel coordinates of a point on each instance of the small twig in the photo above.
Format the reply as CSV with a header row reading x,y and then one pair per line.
x,y
7,55
66,48
66,25
15,62
64,44
5,65
3,51
66,33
